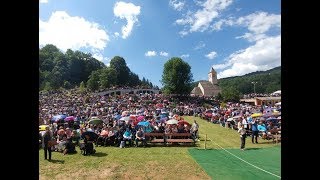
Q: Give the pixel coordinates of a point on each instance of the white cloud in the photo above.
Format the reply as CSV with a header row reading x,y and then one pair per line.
x,y
43,1
129,12
116,34
72,32
201,19
217,25
263,55
211,55
150,53
252,37
221,66
200,45
106,61
165,54
184,55
258,24
98,56
177,5
183,33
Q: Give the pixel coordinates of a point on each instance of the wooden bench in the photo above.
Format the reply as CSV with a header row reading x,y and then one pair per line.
x,y
179,138
155,137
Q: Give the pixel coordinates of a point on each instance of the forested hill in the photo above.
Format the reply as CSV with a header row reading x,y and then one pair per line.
x,y
75,68
265,82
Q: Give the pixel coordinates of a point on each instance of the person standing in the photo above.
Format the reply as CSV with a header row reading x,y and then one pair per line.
x,y
255,132
242,132
194,130
46,138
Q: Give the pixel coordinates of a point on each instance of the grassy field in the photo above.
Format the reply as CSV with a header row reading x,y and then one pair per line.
x,y
142,163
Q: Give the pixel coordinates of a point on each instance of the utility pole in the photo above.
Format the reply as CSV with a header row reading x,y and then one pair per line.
x,y
254,86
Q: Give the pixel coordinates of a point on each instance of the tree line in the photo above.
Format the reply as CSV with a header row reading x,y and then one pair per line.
x,y
75,68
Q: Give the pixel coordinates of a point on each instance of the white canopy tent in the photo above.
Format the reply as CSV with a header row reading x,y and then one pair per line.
x,y
277,92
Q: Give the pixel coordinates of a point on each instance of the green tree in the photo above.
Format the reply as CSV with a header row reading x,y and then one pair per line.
x,y
219,97
176,77
66,85
82,87
47,86
133,80
93,82
231,94
108,77
122,71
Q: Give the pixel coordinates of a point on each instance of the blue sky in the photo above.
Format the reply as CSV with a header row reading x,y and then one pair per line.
x,y
235,37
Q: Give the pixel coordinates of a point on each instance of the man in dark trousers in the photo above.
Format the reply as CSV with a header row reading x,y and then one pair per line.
x,y
255,132
46,138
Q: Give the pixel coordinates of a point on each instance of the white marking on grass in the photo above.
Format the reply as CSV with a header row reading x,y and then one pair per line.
x,y
245,160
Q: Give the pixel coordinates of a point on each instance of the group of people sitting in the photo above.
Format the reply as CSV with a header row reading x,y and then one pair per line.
x,y
125,135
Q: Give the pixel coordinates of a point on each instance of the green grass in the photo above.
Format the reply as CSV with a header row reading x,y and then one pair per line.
x,y
141,163
225,137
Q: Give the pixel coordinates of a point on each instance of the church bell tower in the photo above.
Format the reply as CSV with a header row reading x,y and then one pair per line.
x,y
212,76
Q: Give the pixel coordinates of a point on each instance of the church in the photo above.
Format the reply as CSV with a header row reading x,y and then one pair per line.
x,y
207,88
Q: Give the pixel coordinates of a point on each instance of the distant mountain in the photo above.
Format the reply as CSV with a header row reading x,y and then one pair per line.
x,y
260,81
273,70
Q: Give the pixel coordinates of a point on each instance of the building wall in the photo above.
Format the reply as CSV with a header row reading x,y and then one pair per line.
x,y
201,88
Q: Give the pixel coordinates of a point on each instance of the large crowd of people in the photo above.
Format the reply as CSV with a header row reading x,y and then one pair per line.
x,y
156,109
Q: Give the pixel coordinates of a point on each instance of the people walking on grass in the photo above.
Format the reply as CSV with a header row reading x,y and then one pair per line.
x,y
242,132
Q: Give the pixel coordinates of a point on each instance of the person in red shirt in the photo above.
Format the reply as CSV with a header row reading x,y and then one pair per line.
x,y
103,135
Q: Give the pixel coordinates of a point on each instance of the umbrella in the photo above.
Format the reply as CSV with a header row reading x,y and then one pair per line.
x,y
172,121
43,127
230,119
276,113
262,128
127,118
236,117
271,119
184,122
58,117
256,115
159,105
278,104
144,123
140,118
69,118
133,117
95,121
92,135
117,117
125,113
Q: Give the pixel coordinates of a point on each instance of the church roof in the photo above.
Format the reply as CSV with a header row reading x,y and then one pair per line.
x,y
212,70
196,90
207,85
